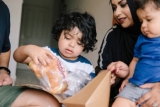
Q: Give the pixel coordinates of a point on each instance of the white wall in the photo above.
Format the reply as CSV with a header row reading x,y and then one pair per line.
x,y
15,7
54,6
101,11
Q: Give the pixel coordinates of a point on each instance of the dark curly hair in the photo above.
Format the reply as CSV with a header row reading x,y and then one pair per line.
x,y
84,22
140,4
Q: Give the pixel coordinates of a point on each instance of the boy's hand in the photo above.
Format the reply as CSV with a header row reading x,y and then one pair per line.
x,y
39,54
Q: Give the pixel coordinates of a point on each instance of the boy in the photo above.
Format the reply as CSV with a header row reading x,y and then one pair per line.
x,y
145,66
75,33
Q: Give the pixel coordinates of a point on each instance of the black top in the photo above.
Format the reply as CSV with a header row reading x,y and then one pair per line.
x,y
118,45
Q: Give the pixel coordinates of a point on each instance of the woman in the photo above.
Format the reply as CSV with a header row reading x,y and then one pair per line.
x,y
116,51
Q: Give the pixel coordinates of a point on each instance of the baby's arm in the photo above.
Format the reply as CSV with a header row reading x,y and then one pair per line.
x,y
132,67
26,53
131,72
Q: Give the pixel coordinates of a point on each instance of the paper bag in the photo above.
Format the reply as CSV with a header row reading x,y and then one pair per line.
x,y
95,94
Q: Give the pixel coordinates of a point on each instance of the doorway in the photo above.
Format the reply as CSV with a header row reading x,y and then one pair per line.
x,y
36,24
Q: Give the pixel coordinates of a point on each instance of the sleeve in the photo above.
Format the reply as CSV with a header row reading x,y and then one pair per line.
x,y
4,27
86,66
102,54
91,68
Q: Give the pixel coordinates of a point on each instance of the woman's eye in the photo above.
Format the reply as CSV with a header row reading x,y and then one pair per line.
x,y
148,20
140,20
123,5
114,8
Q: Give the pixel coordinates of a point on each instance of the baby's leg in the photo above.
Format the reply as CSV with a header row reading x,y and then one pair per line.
x,y
123,102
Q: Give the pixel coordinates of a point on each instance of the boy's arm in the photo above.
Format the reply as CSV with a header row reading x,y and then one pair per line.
x,y
132,67
20,54
24,54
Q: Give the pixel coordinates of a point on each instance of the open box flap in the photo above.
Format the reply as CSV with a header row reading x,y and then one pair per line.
x,y
95,94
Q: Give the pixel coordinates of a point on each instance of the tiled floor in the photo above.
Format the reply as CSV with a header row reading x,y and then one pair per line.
x,y
25,77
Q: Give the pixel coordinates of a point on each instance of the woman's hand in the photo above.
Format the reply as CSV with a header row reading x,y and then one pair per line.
x,y
113,76
151,97
119,69
124,83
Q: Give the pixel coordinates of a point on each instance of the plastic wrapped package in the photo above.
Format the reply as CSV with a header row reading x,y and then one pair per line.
x,y
55,79
76,81
52,76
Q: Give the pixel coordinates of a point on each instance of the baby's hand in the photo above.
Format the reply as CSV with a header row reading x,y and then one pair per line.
x,y
124,83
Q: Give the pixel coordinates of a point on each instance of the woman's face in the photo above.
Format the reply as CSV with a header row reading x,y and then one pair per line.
x,y
122,13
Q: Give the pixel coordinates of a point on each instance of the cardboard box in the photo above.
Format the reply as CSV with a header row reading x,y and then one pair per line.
x,y
95,94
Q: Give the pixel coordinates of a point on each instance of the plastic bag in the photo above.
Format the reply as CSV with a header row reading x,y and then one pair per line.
x,y
51,76
76,81
56,80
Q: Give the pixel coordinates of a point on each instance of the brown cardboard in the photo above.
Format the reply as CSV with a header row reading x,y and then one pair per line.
x,y
94,94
